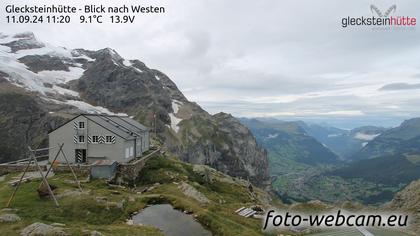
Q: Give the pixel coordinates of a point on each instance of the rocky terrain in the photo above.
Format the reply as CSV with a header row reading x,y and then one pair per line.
x,y
23,122
408,201
65,82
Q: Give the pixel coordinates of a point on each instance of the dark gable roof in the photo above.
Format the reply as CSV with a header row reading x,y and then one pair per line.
x,y
122,126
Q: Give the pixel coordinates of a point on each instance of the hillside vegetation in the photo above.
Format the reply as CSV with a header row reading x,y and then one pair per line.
x,y
105,208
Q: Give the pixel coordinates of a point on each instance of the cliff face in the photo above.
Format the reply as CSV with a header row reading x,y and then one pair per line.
x,y
72,81
254,162
23,122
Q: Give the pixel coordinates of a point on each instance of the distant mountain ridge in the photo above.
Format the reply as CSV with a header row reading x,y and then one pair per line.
x,y
289,140
344,143
399,140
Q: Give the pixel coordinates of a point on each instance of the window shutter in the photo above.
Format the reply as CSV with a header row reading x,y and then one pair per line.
x,y
101,139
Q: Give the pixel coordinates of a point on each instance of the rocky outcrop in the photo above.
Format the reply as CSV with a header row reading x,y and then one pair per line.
x,y
38,229
192,192
253,162
408,201
9,218
23,122
38,63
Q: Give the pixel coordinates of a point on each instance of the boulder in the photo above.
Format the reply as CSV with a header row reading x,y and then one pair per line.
x,y
191,192
9,218
40,229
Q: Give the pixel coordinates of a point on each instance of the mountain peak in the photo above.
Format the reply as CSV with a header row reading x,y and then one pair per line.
x,y
21,41
24,35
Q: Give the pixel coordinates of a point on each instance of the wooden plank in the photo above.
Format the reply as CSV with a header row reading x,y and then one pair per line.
x,y
43,178
72,171
250,214
18,185
240,209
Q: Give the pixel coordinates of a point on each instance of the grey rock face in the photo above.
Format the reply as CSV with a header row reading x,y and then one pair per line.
x,y
192,192
38,63
23,122
252,159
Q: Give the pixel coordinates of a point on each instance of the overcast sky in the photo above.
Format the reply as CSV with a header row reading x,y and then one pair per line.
x,y
285,59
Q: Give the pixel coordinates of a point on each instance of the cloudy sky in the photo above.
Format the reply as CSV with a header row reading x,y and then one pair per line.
x,y
285,59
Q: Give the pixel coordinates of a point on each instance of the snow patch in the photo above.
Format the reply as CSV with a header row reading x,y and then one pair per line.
x,y
85,57
6,39
127,63
20,75
78,55
364,144
92,109
137,69
63,76
174,122
175,106
64,91
47,50
366,137
5,48
333,135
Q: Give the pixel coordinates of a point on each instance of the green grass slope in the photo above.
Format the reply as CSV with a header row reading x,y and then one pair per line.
x,y
84,211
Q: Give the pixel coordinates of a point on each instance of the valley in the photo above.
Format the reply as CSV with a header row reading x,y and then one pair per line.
x,y
335,176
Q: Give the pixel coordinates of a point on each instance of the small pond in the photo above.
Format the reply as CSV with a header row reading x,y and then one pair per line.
x,y
172,222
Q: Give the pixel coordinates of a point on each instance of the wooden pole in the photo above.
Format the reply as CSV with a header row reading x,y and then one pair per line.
x,y
18,184
49,169
43,177
72,171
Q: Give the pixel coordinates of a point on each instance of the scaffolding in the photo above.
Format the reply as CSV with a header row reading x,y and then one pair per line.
x,y
33,158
